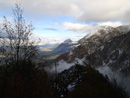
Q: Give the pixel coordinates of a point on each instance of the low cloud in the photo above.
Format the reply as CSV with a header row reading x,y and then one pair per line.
x,y
122,80
53,39
109,23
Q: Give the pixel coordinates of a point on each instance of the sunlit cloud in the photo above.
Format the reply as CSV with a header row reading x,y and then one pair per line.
x,y
76,27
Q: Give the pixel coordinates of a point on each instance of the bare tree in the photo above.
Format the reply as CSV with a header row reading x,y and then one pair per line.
x,y
15,40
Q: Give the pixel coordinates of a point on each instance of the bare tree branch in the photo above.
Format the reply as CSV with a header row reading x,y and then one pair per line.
x,y
16,43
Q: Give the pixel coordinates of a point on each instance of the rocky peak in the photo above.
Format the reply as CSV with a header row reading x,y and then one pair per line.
x,y
67,41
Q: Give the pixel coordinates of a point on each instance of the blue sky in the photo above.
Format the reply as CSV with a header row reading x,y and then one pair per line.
x,y
62,19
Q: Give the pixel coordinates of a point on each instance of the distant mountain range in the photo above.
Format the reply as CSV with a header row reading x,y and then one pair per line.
x,y
64,47
48,47
58,49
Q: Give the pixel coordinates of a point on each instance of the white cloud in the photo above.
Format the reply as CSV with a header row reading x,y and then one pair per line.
x,y
75,27
113,24
82,10
51,7
85,28
102,10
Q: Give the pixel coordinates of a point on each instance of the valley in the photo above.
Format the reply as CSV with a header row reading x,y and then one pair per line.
x,y
65,49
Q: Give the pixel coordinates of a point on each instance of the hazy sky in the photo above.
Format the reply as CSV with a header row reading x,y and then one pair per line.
x,y
61,19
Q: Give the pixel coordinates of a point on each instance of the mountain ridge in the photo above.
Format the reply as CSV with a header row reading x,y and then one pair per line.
x,y
96,47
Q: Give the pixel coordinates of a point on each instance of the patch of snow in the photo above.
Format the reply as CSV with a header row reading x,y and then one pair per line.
x,y
101,48
127,62
75,46
120,51
62,96
109,41
71,86
113,51
103,63
95,31
79,61
110,62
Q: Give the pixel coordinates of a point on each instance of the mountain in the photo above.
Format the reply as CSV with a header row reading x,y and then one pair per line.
x,y
106,50
91,44
67,41
48,47
64,47
86,82
106,47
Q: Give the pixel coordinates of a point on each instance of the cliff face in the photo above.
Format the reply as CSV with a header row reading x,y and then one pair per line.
x,y
115,53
